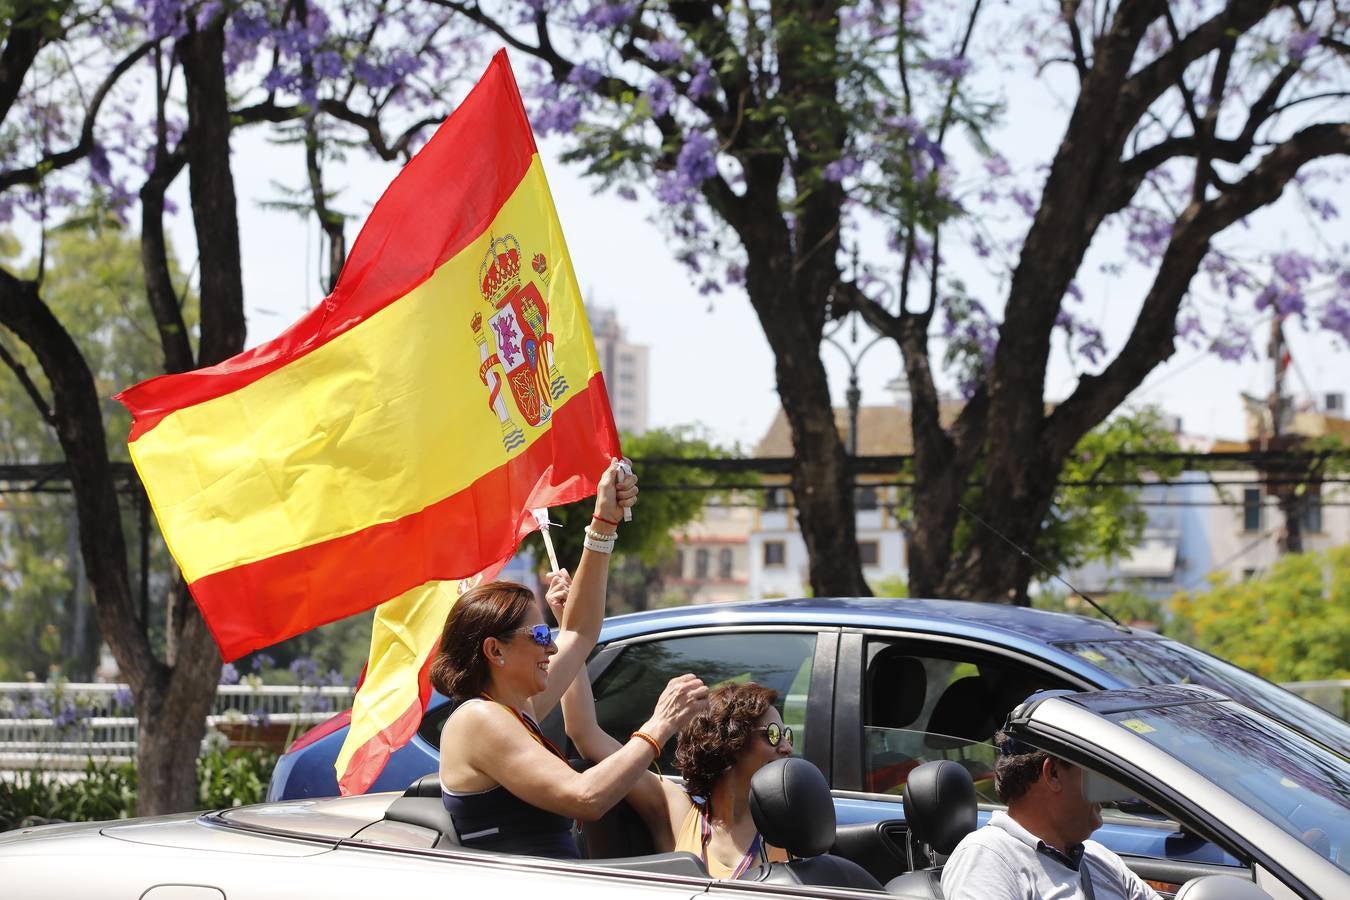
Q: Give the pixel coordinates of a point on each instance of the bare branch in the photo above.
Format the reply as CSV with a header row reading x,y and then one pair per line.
x,y
85,145
43,407
1069,12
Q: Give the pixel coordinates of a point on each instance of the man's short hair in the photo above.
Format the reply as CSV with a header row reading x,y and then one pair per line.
x,y
1015,774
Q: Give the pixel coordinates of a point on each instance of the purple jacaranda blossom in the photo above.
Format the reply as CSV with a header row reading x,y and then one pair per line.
x,y
697,160
926,145
122,699
1284,298
997,166
607,15
660,94
1075,291
627,193
327,64
558,117
1300,43
665,50
305,670
735,273
1148,233
99,166
229,674
1323,207
845,166
1233,343
709,286
263,661
1293,267
1189,328
585,76
952,68
1335,314
980,246
1025,202
701,85
260,718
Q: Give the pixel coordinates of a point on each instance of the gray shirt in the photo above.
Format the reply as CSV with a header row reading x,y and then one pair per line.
x,y
1004,861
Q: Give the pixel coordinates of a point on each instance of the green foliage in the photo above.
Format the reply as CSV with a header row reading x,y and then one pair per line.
x,y
889,586
1127,606
1101,520
228,777
93,282
234,777
667,499
1290,624
104,791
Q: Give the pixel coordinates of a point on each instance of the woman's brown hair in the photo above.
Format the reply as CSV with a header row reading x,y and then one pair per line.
x,y
459,668
710,743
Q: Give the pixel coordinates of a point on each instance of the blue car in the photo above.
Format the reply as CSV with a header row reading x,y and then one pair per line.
x,y
872,688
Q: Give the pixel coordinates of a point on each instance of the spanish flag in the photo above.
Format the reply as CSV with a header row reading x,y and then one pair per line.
x,y
395,439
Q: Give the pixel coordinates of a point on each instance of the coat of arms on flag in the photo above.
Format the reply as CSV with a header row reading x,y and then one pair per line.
x,y
394,440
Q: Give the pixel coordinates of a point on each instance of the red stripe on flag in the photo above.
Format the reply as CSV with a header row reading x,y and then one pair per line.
x,y
464,174
324,582
368,761
321,731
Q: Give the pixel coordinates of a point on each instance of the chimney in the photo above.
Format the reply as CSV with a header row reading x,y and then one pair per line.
x,y
899,390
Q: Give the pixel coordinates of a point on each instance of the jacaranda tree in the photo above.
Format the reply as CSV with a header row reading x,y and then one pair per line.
x,y
104,106
779,135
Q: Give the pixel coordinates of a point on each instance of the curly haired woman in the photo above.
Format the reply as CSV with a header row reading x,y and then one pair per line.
x,y
717,753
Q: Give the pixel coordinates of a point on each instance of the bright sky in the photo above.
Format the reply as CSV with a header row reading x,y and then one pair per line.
x,y
709,362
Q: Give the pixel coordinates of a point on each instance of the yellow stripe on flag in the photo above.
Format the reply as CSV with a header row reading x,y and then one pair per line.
x,y
406,632
378,423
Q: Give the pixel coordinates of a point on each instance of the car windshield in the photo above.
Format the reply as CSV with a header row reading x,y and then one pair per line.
x,y
1140,662
1297,785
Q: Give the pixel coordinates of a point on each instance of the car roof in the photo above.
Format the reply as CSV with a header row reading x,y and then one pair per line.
x,y
955,617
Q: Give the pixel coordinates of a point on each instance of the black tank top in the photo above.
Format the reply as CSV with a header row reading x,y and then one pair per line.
x,y
497,819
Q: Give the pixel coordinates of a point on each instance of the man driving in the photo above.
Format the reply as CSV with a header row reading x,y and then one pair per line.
x,y
1039,848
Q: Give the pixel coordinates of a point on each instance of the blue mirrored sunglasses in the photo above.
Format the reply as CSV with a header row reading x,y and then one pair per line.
x,y
540,634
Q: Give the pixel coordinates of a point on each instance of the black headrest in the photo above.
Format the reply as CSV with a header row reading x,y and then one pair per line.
x,y
898,686
426,786
940,806
964,711
792,807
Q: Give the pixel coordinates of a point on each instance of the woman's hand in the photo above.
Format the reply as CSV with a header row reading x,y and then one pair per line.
x,y
684,697
559,583
616,492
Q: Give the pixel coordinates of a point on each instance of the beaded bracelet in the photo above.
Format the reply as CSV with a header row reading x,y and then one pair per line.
x,y
602,536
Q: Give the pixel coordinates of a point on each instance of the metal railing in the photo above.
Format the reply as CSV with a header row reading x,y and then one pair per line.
x,y
62,726
95,721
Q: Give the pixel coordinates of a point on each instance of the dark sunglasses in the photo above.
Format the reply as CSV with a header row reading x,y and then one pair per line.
x,y
540,634
774,734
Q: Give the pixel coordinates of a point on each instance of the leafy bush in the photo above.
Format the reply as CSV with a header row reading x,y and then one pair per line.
x,y
228,777
233,777
104,791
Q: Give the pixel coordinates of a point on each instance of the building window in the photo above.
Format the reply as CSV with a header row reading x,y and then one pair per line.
x,y
870,551
865,498
701,563
725,563
677,564
1312,514
775,498
775,553
1251,509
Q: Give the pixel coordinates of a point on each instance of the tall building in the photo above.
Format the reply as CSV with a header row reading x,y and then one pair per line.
x,y
625,368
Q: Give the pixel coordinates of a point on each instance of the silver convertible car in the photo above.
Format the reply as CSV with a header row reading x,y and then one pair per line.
x,y
1180,759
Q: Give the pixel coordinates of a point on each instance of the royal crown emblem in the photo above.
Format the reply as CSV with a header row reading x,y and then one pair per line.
x,y
516,347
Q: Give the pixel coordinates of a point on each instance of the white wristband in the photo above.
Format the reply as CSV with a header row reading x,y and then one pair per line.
x,y
591,543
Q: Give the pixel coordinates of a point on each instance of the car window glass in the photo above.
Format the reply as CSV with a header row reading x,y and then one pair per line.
x,y
1140,662
626,693
1299,786
920,706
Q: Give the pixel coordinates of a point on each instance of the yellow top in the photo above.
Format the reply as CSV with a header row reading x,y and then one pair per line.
x,y
695,833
